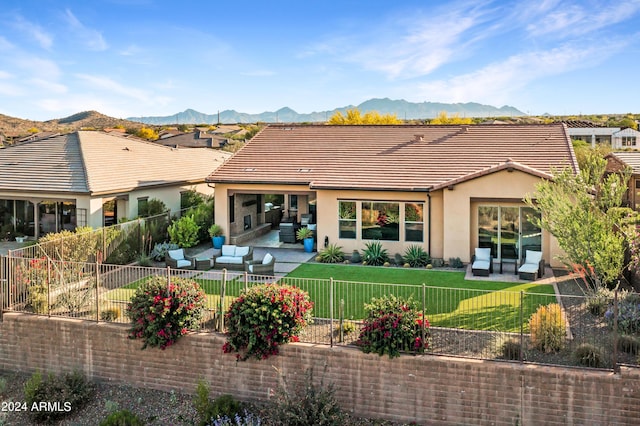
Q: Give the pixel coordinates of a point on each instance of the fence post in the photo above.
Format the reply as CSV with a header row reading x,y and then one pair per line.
x,y
97,287
341,323
521,326
616,367
49,286
246,281
223,285
331,310
424,316
9,279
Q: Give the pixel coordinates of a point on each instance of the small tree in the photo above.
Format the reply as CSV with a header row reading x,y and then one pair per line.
x,y
184,232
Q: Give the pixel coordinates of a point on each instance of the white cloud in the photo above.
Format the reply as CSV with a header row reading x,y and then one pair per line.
x,y
497,82
42,37
91,38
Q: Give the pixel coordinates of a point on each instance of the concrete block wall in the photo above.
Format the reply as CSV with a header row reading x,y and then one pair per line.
x,y
424,389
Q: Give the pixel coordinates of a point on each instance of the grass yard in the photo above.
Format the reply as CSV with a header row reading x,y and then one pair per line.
x,y
450,301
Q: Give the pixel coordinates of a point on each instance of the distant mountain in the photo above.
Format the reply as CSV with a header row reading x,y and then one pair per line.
x,y
403,109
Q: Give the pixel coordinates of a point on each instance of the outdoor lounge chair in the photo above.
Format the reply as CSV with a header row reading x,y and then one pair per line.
x,y
482,262
532,267
177,259
261,267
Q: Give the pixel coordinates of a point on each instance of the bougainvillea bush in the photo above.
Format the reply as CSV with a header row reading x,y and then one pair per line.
x,y
265,317
162,311
393,325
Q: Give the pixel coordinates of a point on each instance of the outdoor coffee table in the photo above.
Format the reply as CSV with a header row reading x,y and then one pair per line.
x,y
203,263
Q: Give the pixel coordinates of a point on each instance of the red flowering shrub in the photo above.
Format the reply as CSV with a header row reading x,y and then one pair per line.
x,y
264,317
162,312
393,325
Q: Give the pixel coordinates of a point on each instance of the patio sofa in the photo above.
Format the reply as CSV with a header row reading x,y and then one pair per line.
x,y
232,257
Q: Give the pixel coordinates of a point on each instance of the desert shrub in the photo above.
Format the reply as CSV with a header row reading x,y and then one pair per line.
x,y
455,262
161,312
628,314
348,327
599,300
393,325
437,263
184,232
76,300
373,254
398,259
223,406
415,256
70,390
629,344
244,419
110,314
355,257
144,259
548,328
160,250
37,297
588,355
122,418
306,403
511,349
331,254
264,317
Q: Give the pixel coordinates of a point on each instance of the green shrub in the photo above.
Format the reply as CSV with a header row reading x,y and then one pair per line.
x,y
511,349
347,327
265,317
122,418
331,254
355,257
223,406
160,250
629,344
398,259
455,262
437,263
599,301
110,314
70,390
393,325
184,232
244,419
415,256
548,328
374,254
202,215
628,314
306,404
162,312
588,355
153,207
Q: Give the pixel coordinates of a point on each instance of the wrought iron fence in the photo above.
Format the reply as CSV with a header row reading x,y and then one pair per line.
x,y
471,323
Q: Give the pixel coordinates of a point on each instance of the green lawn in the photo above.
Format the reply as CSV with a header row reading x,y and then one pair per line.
x,y
450,301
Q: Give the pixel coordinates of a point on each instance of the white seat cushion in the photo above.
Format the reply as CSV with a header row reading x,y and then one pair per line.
x,y
312,226
529,268
228,250
481,264
242,251
183,263
251,268
229,259
483,254
267,259
176,254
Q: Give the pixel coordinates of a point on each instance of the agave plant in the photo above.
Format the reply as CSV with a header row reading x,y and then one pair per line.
x,y
416,257
331,254
374,254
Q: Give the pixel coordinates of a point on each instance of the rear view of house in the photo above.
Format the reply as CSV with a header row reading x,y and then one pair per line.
x,y
447,188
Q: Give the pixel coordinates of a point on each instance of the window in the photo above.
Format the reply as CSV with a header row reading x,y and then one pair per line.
x,y
347,219
232,208
380,221
508,231
628,141
143,206
82,217
414,222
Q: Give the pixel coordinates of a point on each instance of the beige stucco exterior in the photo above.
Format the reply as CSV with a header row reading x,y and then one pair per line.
x,y
452,212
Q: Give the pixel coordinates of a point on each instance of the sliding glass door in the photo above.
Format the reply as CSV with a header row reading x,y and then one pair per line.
x,y
508,231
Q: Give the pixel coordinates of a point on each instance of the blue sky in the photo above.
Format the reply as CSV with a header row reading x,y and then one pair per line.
x,y
150,57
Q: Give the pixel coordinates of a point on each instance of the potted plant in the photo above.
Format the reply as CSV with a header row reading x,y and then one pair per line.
x,y
306,236
217,236
20,237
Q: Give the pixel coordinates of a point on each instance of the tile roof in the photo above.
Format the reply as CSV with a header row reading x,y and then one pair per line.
x,y
628,158
394,157
96,162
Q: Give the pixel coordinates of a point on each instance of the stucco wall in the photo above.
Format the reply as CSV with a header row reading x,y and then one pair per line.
x,y
423,389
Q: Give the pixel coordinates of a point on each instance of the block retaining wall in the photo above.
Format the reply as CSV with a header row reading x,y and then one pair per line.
x,y
424,389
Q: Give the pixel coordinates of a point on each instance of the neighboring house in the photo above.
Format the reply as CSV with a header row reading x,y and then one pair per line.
x,y
617,161
447,188
93,179
616,137
193,140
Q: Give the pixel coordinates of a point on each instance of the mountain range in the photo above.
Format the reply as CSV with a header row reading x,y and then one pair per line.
x,y
404,110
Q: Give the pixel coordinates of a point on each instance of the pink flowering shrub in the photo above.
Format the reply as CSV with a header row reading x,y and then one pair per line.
x,y
393,325
264,317
161,312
